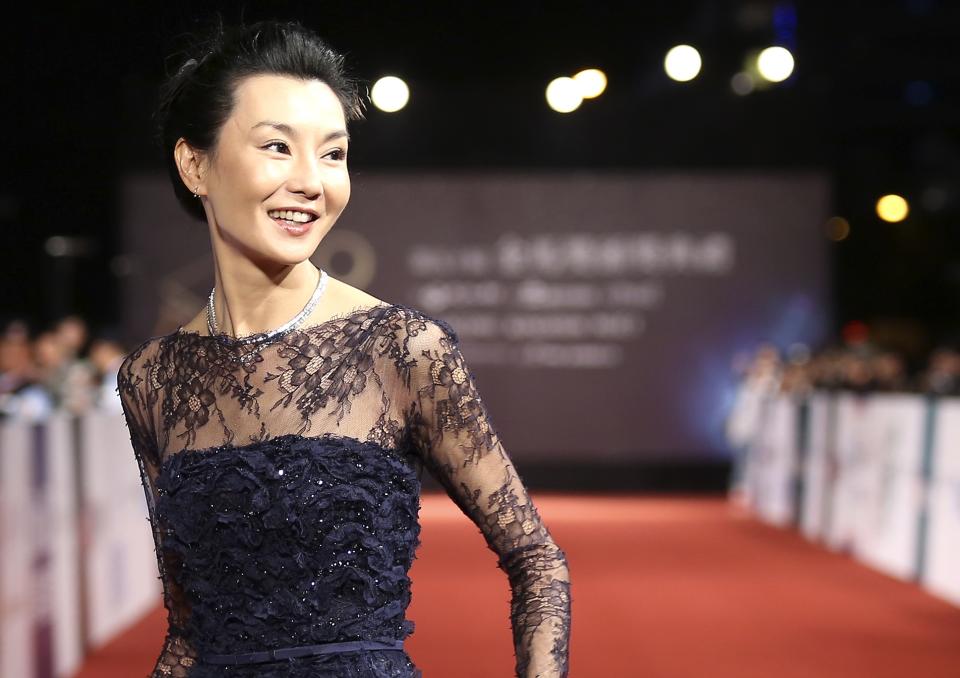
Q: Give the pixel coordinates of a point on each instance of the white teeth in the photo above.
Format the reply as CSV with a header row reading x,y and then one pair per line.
x,y
290,215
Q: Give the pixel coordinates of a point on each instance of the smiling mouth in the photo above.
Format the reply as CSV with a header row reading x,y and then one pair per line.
x,y
301,219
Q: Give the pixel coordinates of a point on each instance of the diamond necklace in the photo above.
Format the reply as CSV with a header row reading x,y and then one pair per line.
x,y
262,337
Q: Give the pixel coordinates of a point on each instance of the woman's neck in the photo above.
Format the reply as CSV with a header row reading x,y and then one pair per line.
x,y
249,299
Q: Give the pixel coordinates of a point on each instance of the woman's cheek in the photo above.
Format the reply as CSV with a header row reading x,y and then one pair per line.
x,y
342,193
269,177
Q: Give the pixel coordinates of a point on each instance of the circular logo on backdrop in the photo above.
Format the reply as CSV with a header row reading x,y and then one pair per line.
x,y
348,255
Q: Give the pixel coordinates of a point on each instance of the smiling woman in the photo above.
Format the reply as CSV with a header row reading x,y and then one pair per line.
x,y
294,172
282,433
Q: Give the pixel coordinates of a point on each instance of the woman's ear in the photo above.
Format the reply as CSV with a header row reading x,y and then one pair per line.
x,y
190,164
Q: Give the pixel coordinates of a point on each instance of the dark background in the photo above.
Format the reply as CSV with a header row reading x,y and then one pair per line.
x,y
873,101
873,104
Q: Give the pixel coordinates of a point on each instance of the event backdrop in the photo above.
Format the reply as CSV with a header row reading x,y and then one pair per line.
x,y
600,312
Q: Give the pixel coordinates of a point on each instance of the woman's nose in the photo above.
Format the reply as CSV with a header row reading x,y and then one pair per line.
x,y
307,177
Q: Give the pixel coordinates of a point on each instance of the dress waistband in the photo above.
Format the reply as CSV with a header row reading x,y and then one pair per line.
x,y
301,651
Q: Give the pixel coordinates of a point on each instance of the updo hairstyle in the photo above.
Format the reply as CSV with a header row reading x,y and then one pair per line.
x,y
196,101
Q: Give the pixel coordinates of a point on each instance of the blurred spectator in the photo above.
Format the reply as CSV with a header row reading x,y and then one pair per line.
x,y
856,373
23,395
889,372
943,373
73,334
761,379
70,379
797,378
51,364
16,365
106,356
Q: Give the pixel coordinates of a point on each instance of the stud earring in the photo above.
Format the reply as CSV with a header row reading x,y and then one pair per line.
x,y
195,193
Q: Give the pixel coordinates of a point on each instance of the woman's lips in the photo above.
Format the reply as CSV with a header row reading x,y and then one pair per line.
x,y
293,228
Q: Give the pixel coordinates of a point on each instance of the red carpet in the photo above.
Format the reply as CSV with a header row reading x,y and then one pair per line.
x,y
662,587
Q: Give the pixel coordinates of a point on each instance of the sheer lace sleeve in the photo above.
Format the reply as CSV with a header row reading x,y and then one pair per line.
x,y
459,446
138,402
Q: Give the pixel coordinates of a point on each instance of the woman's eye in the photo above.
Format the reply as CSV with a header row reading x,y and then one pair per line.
x,y
277,143
337,154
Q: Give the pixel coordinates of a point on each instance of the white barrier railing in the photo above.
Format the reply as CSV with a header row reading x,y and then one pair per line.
x,y
77,561
876,476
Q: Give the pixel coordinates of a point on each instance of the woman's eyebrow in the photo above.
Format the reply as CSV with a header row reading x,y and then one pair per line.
x,y
287,129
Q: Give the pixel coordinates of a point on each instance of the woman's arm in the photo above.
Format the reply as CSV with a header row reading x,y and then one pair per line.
x,y
462,450
176,656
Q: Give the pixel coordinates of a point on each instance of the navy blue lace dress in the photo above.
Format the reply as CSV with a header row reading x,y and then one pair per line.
x,y
283,484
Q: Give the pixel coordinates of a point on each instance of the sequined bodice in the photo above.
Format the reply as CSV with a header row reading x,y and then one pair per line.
x,y
283,484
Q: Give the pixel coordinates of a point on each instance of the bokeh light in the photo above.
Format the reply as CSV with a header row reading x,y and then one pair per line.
x,y
837,228
390,94
591,81
682,63
564,95
892,208
775,64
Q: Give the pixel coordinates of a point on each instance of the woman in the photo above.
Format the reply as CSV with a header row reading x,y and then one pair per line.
x,y
282,432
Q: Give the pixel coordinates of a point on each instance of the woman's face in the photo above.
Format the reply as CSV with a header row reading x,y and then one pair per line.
x,y
283,146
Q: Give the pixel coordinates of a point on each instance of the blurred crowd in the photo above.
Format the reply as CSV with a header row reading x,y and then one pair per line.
x,y
61,368
857,367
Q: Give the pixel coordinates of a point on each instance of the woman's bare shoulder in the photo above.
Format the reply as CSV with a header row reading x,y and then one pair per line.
x,y
348,297
198,323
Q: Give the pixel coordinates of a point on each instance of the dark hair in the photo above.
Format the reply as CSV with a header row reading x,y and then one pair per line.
x,y
196,101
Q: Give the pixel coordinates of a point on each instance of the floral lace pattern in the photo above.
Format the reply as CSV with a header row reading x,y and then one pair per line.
x,y
283,488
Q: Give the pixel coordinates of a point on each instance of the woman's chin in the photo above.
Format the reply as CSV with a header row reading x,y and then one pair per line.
x,y
293,256
275,254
